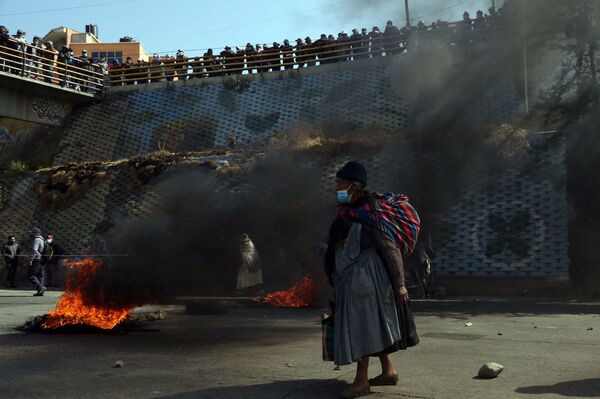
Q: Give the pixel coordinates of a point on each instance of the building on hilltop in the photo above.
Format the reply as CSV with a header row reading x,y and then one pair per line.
x,y
96,49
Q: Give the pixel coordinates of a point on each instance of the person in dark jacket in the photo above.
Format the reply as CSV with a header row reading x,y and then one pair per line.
x,y
226,59
320,48
356,43
287,55
197,69
392,37
142,72
10,60
418,266
238,62
208,61
310,51
250,57
275,57
169,67
181,66
65,61
54,255
35,55
115,73
11,252
300,54
49,61
264,56
364,264
129,70
466,28
376,42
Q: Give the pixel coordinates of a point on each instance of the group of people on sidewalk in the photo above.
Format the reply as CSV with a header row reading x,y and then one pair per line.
x,y
42,261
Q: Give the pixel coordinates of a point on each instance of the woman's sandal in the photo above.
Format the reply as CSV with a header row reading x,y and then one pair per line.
x,y
350,393
382,380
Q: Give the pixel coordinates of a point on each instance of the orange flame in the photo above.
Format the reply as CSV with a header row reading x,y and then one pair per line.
x,y
299,296
71,307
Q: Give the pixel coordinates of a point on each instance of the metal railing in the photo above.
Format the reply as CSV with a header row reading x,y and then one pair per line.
x,y
40,64
294,57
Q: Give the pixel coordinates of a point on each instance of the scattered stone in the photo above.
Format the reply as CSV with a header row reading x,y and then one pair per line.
x,y
534,326
469,324
490,370
118,364
590,328
288,364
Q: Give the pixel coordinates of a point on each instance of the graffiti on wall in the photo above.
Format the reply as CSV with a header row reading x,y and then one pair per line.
x,y
49,109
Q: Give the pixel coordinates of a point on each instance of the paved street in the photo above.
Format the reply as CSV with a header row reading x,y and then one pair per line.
x,y
266,353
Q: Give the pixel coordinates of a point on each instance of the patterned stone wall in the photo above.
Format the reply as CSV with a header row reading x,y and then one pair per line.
x,y
197,113
513,225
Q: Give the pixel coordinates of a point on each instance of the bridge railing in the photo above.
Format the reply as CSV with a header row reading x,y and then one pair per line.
x,y
294,57
40,64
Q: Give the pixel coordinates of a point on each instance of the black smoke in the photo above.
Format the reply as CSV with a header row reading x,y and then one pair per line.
x,y
190,245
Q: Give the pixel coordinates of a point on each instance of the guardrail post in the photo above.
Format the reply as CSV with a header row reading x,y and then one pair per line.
x,y
66,75
23,60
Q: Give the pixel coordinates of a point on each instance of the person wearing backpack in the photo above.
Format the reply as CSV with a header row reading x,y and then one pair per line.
x,y
35,273
54,253
371,312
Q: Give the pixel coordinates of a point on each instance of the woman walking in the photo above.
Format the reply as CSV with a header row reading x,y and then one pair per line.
x,y
364,264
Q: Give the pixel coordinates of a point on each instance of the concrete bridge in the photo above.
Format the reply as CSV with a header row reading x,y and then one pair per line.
x,y
37,101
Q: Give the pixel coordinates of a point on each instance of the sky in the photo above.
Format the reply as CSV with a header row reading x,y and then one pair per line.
x,y
163,26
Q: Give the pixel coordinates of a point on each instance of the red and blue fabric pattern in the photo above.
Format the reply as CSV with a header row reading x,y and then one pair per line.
x,y
390,213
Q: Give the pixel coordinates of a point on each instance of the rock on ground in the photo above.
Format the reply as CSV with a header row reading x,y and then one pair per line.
x,y
490,370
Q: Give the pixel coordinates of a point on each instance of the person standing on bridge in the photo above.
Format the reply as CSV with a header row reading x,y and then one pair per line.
x,y
287,55
376,42
49,60
36,271
35,54
4,45
364,264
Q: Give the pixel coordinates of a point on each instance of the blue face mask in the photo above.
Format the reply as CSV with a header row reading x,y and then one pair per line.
x,y
343,196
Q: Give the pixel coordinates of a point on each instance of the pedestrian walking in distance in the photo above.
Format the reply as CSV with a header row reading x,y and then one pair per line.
x,y
36,271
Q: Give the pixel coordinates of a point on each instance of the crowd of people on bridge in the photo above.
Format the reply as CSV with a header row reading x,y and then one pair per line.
x,y
43,61
306,52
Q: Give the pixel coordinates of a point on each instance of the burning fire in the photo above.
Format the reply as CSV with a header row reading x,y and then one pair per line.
x,y
71,307
299,296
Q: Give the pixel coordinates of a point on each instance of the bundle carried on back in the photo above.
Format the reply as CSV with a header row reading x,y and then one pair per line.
x,y
390,213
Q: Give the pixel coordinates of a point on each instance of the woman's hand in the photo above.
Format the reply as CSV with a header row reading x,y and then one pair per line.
x,y
402,294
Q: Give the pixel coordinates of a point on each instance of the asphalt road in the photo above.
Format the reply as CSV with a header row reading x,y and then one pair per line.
x,y
547,349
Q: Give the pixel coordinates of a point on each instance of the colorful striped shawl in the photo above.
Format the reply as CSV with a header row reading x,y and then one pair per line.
x,y
390,213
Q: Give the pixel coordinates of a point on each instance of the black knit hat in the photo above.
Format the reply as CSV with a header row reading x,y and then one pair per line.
x,y
353,171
